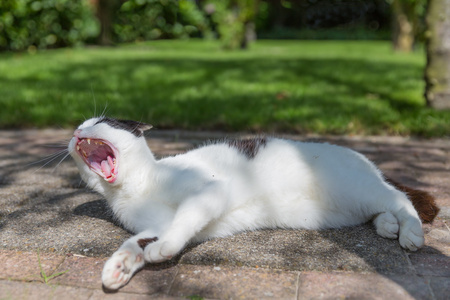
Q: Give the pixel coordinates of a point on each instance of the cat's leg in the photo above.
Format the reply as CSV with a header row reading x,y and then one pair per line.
x,y
126,261
411,233
387,225
397,204
191,217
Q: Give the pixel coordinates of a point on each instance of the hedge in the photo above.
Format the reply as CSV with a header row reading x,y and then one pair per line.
x,y
28,24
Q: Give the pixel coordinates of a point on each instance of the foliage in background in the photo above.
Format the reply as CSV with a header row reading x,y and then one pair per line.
x,y
360,87
408,24
331,19
158,19
31,24
234,19
58,23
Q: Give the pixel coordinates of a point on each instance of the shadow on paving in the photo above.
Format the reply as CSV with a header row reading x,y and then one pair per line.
x,y
49,209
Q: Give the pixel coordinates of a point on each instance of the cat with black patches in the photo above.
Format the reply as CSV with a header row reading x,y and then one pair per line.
x,y
233,186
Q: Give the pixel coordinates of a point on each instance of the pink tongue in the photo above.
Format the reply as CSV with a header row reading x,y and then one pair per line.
x,y
106,168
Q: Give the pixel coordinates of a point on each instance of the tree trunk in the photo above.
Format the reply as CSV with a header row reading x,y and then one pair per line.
x,y
247,15
105,10
403,28
437,71
249,34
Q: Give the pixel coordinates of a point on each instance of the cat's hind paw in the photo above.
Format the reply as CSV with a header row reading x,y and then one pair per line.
x,y
119,269
386,225
161,251
411,235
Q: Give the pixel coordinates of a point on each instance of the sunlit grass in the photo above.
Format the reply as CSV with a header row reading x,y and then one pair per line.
x,y
324,87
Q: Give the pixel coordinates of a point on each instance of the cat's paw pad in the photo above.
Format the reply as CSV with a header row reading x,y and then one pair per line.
x,y
161,251
387,225
119,269
411,235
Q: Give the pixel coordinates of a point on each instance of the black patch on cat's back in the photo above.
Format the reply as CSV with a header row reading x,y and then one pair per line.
x,y
134,127
249,147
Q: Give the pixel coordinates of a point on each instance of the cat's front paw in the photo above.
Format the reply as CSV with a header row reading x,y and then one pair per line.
x,y
161,251
411,235
119,269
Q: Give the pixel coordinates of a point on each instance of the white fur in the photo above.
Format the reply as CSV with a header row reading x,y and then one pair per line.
x,y
217,191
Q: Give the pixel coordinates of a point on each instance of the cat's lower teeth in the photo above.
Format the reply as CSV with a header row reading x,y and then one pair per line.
x,y
112,162
106,168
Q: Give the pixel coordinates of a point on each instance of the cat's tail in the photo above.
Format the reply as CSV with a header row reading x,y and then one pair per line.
x,y
422,201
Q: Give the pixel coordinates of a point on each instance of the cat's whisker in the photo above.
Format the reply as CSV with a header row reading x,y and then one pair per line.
x,y
57,165
81,182
49,159
105,111
62,143
56,145
95,102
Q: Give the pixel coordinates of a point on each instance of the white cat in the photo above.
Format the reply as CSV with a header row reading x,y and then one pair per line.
x,y
228,187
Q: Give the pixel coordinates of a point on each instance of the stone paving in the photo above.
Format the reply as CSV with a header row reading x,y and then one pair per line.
x,y
50,223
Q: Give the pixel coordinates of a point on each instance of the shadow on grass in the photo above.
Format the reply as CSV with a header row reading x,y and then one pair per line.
x,y
326,95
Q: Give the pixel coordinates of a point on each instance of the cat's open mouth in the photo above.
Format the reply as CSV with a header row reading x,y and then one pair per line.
x,y
101,157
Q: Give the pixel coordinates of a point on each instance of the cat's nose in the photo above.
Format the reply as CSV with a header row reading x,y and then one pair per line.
x,y
76,133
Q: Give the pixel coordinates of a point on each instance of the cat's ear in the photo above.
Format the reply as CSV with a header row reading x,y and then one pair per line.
x,y
142,127
134,127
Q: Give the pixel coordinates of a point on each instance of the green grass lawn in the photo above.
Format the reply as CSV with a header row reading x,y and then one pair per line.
x,y
324,87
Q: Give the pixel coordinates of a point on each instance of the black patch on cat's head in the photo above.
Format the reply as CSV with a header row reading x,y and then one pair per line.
x,y
249,147
134,127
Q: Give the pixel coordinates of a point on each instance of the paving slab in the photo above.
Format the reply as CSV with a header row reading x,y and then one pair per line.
x,y
361,286
27,266
45,208
35,291
440,287
347,249
431,264
234,283
86,272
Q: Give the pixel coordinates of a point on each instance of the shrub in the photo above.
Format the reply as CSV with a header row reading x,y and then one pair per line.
x,y
155,19
25,24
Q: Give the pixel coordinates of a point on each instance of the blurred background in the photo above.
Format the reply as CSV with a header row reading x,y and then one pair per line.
x,y
305,66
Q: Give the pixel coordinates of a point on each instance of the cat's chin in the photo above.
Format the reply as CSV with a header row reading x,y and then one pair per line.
x,y
110,179
100,156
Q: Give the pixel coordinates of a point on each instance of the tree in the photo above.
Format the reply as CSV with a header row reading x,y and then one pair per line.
x,y
407,18
234,20
105,10
138,20
437,71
